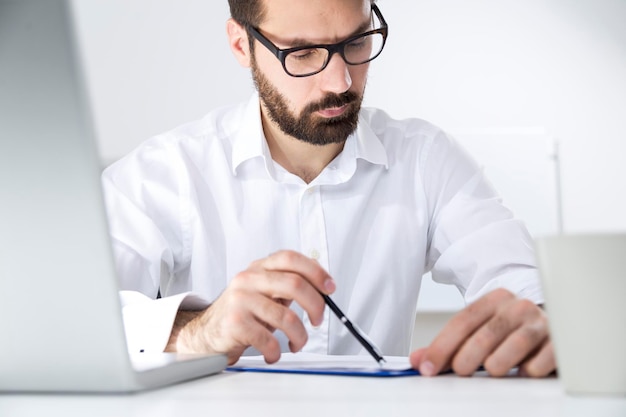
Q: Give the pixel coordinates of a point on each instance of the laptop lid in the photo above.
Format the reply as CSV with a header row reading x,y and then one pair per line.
x,y
60,315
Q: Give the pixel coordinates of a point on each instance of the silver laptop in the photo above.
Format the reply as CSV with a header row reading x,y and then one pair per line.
x,y
60,315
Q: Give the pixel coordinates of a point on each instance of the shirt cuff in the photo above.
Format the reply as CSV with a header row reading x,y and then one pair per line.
x,y
524,283
148,323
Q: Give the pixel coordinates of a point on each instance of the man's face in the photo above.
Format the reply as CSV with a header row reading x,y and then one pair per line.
x,y
322,108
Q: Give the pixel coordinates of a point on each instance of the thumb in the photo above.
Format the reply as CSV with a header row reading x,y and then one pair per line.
x,y
419,361
416,357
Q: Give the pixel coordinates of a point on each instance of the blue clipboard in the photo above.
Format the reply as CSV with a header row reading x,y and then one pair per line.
x,y
314,364
367,372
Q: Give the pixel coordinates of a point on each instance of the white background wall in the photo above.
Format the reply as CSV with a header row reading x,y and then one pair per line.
x,y
557,64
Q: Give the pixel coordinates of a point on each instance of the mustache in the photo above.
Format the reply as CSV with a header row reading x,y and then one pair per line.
x,y
331,100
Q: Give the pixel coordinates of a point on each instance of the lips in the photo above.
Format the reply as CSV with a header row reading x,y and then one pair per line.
x,y
333,111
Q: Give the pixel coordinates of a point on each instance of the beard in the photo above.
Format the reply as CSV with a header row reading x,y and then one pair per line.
x,y
307,126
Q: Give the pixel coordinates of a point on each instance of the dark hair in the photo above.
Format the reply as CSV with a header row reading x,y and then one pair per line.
x,y
247,12
250,12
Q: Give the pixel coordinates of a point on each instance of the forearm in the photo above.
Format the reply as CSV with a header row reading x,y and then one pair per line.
x,y
182,330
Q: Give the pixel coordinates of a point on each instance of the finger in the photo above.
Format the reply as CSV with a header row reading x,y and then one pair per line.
x,y
521,343
259,337
415,358
284,286
483,342
297,263
438,356
234,332
250,323
541,364
241,318
277,316
280,301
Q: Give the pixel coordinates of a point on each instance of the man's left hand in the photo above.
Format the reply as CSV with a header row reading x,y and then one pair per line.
x,y
498,331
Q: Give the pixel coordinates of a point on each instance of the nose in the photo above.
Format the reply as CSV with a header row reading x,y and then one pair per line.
x,y
336,76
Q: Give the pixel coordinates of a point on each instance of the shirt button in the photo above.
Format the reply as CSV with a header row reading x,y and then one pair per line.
x,y
315,254
310,190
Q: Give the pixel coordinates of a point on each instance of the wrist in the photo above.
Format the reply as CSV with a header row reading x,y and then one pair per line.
x,y
181,337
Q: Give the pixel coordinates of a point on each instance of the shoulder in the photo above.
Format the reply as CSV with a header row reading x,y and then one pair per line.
x,y
406,136
182,144
214,126
381,122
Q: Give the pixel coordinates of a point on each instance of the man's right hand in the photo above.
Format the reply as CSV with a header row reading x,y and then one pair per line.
x,y
255,303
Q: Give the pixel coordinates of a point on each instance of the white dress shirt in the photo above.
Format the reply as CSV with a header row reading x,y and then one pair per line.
x,y
191,208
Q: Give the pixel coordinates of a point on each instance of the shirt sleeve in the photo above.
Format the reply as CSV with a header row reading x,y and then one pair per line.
x,y
146,245
476,243
148,322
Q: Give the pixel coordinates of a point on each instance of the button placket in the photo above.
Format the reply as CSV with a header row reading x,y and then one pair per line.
x,y
313,244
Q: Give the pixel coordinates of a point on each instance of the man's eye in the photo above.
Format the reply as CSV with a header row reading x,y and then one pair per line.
x,y
305,54
357,44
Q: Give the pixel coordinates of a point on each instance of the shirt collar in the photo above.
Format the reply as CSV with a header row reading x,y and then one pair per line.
x,y
368,144
249,141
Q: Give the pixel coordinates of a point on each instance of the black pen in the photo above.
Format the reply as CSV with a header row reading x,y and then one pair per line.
x,y
356,332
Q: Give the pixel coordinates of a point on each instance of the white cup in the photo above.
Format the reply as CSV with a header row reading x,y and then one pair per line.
x,y
584,282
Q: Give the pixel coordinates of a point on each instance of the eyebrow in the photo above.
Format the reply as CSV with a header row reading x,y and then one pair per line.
x,y
299,42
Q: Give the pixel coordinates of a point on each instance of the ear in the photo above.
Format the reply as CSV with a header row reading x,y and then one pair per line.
x,y
238,42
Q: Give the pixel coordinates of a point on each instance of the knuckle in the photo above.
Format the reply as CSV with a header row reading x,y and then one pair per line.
x,y
496,367
498,326
501,295
274,313
484,339
290,319
294,283
235,319
533,334
235,297
255,264
462,367
524,307
521,341
286,256
242,279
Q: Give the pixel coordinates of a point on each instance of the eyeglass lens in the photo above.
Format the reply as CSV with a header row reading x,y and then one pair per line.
x,y
311,60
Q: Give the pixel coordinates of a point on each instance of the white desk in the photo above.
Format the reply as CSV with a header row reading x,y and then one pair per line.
x,y
257,394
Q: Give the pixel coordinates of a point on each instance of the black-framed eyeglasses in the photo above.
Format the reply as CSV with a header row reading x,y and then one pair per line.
x,y
303,61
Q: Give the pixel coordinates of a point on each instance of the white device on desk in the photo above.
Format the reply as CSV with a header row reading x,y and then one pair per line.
x,y
583,278
60,314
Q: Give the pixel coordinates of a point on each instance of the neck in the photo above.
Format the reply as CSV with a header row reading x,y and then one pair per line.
x,y
298,157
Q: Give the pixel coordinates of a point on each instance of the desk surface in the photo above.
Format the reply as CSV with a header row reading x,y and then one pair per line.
x,y
259,394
